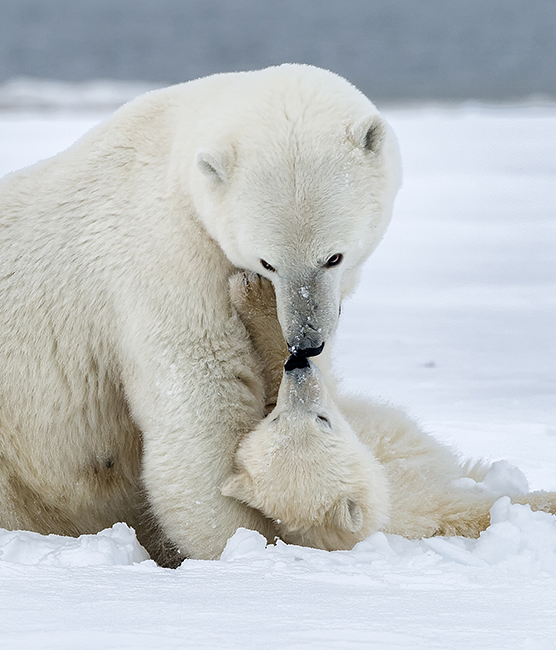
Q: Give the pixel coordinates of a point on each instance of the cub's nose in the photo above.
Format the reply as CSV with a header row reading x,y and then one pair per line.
x,y
296,363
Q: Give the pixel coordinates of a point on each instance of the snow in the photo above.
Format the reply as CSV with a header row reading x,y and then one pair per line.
x,y
113,546
501,479
454,320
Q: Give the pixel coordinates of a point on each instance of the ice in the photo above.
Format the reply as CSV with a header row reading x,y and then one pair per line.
x,y
455,321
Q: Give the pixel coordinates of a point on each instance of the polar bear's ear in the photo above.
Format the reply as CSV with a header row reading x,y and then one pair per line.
x,y
369,133
215,164
240,487
348,515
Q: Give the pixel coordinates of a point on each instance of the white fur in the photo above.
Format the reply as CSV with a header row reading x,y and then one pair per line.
x,y
126,378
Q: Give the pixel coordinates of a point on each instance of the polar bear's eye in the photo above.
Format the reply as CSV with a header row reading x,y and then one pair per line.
x,y
324,420
334,260
267,266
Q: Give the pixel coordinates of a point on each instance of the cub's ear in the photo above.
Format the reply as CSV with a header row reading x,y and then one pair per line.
x,y
240,487
216,164
348,515
369,133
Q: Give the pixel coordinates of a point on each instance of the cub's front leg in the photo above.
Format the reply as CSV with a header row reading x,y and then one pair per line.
x,y
254,299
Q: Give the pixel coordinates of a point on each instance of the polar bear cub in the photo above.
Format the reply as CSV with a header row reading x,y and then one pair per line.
x,y
304,467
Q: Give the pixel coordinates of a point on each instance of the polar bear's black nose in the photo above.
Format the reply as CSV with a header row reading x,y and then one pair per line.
x,y
301,351
296,363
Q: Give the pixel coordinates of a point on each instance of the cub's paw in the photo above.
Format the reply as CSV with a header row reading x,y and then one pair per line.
x,y
252,295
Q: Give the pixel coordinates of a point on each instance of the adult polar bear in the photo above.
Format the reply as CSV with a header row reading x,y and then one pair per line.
x,y
127,378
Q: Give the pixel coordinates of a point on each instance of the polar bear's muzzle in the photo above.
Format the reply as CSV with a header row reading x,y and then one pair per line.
x,y
305,348
308,311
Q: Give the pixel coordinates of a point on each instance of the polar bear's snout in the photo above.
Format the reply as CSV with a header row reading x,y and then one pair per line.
x,y
308,330
307,304
306,340
305,347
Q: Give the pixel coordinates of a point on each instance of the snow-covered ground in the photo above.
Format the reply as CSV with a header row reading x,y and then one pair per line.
x,y
454,320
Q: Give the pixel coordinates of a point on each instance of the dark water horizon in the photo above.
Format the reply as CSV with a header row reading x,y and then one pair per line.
x,y
394,50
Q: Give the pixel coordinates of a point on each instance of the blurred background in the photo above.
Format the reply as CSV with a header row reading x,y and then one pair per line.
x,y
394,50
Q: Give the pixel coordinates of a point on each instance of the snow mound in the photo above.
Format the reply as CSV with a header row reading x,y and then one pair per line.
x,y
518,535
505,479
518,539
502,479
244,544
114,546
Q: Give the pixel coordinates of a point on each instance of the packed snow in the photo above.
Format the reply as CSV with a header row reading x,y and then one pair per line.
x,y
454,321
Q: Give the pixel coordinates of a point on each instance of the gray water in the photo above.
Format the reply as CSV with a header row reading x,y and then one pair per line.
x,y
392,49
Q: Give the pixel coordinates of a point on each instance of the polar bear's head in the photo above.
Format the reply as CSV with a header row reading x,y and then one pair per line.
x,y
296,182
304,468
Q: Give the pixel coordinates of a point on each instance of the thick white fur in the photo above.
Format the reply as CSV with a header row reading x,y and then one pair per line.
x,y
127,379
371,461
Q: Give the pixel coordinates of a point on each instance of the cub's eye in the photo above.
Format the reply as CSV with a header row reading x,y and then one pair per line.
x,y
334,260
267,266
323,419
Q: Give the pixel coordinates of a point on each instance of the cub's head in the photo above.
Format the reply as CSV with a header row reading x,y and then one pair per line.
x,y
304,468
297,184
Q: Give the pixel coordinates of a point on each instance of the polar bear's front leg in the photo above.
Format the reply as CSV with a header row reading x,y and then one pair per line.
x,y
193,402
